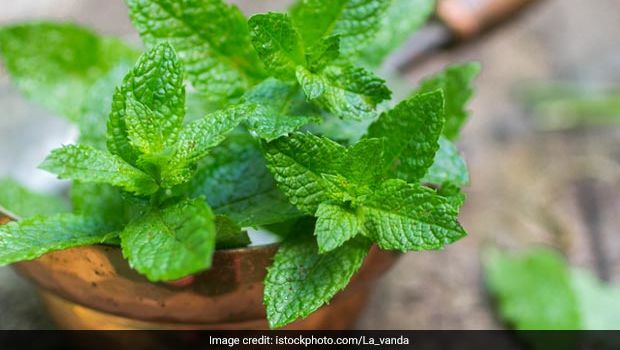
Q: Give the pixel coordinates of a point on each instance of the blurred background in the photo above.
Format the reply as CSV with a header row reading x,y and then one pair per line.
x,y
542,145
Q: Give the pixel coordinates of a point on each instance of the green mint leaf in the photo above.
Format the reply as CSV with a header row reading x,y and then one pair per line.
x,y
318,175
55,64
198,104
296,227
142,127
99,201
453,194
247,200
402,19
30,238
536,289
533,289
346,132
229,234
456,83
323,53
406,217
448,166
211,37
599,304
335,225
348,92
358,171
360,81
301,280
87,164
97,107
340,189
311,169
149,107
365,162
267,124
20,201
167,244
356,21
276,102
195,141
277,44
411,130
298,164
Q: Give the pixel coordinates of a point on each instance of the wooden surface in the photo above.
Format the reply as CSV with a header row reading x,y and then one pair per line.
x,y
524,182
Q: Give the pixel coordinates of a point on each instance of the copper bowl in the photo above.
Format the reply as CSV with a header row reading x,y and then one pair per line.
x,y
93,287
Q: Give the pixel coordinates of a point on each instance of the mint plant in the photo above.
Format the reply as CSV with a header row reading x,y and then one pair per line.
x,y
225,123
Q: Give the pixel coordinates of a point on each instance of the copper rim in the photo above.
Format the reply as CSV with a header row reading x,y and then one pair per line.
x,y
94,287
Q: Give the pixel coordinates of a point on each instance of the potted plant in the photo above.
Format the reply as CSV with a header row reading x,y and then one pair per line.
x,y
223,124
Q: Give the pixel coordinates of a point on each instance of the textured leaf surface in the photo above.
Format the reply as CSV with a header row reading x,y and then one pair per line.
x,y
268,124
30,238
335,226
277,104
402,19
211,37
149,107
365,162
348,92
456,83
171,243
411,130
196,139
448,166
55,64
298,164
301,280
323,53
277,44
24,203
533,290
311,169
355,21
247,200
406,217
87,164
142,127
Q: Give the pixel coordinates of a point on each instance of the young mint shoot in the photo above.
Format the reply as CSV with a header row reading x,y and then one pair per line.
x,y
208,132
